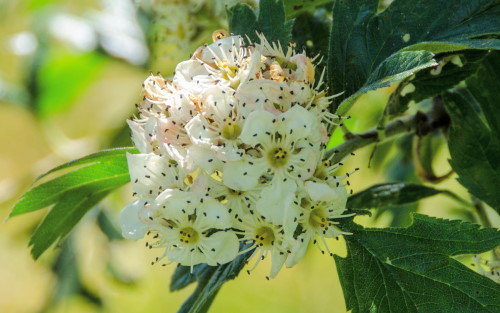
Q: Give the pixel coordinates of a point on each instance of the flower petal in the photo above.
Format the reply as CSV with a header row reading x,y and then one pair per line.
x,y
130,221
221,247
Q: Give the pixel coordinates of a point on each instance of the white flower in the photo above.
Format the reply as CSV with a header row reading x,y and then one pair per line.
x,y
192,229
267,239
232,152
150,174
280,147
320,208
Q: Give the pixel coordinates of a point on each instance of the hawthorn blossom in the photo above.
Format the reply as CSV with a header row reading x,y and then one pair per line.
x,y
232,158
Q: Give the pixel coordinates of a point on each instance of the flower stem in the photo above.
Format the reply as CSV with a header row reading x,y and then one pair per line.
x,y
419,123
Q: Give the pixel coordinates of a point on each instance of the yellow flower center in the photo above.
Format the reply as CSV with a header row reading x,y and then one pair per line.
x,y
317,218
278,157
264,236
188,235
231,130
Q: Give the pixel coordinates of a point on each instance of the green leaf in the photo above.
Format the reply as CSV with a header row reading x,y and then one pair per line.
x,y
295,7
106,155
102,171
270,21
63,77
431,82
383,195
361,39
61,219
396,67
210,280
183,277
412,269
474,140
311,32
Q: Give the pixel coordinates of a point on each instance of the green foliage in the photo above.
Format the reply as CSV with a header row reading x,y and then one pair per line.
x,y
382,195
296,7
73,193
433,81
210,279
361,40
270,21
412,269
396,67
474,140
63,77
310,31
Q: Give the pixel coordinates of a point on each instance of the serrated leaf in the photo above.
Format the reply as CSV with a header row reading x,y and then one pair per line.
x,y
431,82
361,39
210,280
68,211
295,7
412,270
474,141
396,67
270,21
383,195
310,32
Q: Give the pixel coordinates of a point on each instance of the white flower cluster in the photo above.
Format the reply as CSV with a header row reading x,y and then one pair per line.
x,y
232,155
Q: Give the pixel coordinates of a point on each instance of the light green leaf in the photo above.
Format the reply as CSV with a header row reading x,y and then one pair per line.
x,y
63,77
103,171
68,211
474,140
412,270
361,39
295,7
270,21
106,155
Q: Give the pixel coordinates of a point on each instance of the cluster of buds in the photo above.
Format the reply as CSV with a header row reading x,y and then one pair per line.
x,y
232,155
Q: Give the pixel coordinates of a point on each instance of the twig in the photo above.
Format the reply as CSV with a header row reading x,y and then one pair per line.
x,y
419,123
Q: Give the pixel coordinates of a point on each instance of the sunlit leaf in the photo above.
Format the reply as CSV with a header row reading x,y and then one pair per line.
x,y
412,270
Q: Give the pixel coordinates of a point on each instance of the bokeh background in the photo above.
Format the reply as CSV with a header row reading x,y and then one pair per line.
x,y
70,74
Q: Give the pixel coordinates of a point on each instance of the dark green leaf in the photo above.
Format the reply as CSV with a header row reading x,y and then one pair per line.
x,y
210,280
412,269
183,277
474,140
68,211
295,7
311,32
271,21
431,82
389,194
361,39
396,67
242,20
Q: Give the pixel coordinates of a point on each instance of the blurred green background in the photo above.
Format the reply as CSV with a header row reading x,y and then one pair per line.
x,y
70,74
